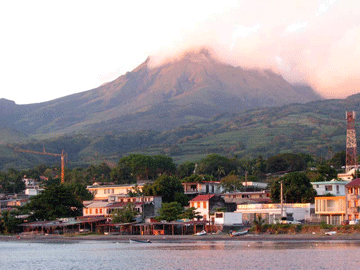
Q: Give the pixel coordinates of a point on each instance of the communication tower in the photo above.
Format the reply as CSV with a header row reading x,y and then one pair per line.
x,y
351,148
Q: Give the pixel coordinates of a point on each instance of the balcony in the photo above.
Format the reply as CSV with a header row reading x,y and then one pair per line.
x,y
353,210
353,197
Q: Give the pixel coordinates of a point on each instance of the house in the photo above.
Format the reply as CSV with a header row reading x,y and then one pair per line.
x,y
150,204
208,204
349,176
96,208
271,212
352,197
203,188
247,197
102,192
258,185
333,187
227,218
331,209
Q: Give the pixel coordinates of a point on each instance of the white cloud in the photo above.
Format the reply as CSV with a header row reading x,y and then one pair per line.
x,y
297,26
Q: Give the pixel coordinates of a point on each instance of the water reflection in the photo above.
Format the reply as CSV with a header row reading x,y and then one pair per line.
x,y
252,245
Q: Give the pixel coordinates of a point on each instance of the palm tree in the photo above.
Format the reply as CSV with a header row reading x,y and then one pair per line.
x,y
258,222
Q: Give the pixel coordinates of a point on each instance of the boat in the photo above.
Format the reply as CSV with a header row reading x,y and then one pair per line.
x,y
203,232
135,241
234,233
330,233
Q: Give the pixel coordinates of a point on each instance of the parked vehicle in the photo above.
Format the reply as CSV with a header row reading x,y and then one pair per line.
x,y
354,222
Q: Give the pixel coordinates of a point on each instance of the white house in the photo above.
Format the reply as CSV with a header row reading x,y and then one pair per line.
x,y
227,218
203,188
271,212
333,187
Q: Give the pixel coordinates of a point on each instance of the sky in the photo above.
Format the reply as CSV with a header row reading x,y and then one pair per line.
x,y
51,49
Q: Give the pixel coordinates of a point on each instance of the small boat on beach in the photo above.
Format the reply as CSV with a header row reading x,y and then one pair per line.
x,y
330,233
203,232
234,233
135,241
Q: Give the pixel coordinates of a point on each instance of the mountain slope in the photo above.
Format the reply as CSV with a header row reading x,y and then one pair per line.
x,y
317,128
194,87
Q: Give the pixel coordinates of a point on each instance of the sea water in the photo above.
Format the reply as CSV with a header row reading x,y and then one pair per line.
x,y
191,255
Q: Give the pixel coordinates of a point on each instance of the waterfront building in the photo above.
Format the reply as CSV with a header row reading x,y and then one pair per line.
x,y
147,206
271,212
331,209
353,199
207,204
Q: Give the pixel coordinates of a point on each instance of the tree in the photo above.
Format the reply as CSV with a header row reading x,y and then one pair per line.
x,y
327,172
190,213
164,165
285,162
122,174
258,222
231,183
170,211
56,201
169,187
135,191
80,191
211,164
125,215
186,169
296,188
194,178
9,222
338,160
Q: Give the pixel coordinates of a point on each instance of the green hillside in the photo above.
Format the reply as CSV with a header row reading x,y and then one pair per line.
x,y
317,128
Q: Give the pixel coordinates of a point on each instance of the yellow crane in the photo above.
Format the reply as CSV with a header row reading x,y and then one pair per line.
x,y
62,156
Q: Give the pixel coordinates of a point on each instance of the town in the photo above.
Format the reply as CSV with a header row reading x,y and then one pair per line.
x,y
215,195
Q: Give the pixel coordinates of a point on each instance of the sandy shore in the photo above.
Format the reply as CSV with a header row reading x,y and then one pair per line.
x,y
181,238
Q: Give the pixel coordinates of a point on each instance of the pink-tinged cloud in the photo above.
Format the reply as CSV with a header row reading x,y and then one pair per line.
x,y
313,42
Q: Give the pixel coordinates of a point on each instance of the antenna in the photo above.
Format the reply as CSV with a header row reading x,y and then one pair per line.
x,y
351,147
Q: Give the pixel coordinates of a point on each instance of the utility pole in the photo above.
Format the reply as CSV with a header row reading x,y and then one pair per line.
x,y
282,200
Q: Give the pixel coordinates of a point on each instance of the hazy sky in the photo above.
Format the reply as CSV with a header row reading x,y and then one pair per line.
x,y
50,49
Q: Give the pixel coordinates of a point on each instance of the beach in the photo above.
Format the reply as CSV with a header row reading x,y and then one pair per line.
x,y
321,236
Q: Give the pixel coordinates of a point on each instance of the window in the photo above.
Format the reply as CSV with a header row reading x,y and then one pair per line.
x,y
100,210
204,204
96,211
198,204
219,215
328,188
86,211
90,211
112,191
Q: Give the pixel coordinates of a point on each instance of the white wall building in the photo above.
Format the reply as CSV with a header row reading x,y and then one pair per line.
x,y
333,187
227,218
271,212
